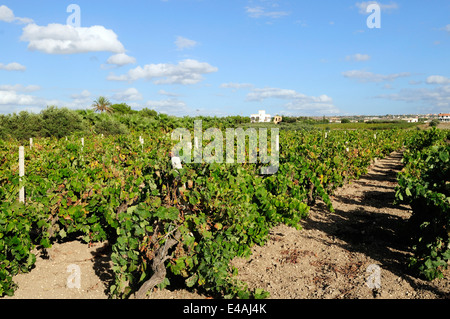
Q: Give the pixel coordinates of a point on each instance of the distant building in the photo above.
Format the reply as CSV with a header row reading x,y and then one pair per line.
x,y
444,117
411,120
335,120
261,117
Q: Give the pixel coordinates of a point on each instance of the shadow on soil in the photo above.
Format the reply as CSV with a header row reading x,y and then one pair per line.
x,y
102,266
375,232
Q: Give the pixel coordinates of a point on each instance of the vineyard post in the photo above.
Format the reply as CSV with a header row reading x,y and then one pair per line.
x,y
141,140
21,172
176,162
82,148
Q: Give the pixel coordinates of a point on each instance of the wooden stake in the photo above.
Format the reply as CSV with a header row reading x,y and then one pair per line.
x,y
21,172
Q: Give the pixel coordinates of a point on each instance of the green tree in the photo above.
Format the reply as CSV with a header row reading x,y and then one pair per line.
x,y
110,126
60,122
21,126
148,113
434,123
122,108
102,104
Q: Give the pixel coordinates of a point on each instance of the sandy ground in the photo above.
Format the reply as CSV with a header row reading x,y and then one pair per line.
x,y
357,252
70,270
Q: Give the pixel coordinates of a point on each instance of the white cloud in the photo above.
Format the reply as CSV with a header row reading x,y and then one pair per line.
x,y
131,94
260,12
19,88
362,6
171,94
298,102
12,67
446,28
312,108
358,57
13,98
184,43
83,95
113,77
267,93
438,98
185,72
66,39
365,76
121,59
219,112
434,100
7,15
81,100
438,79
170,106
236,86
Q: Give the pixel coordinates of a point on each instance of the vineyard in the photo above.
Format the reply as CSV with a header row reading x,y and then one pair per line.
x,y
424,184
167,224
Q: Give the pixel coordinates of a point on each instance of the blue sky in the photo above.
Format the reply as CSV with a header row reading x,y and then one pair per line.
x,y
227,57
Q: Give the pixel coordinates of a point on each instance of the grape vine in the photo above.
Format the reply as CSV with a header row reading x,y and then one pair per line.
x,y
191,222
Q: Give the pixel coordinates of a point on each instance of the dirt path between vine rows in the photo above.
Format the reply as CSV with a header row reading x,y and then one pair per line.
x,y
338,255
334,255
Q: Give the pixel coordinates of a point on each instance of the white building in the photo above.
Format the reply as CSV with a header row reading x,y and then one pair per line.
x,y
261,117
411,120
444,117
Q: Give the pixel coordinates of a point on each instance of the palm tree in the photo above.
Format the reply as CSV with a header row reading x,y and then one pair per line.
x,y
102,104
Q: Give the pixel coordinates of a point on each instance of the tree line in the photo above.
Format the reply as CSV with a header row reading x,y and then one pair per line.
x,y
102,118
106,118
